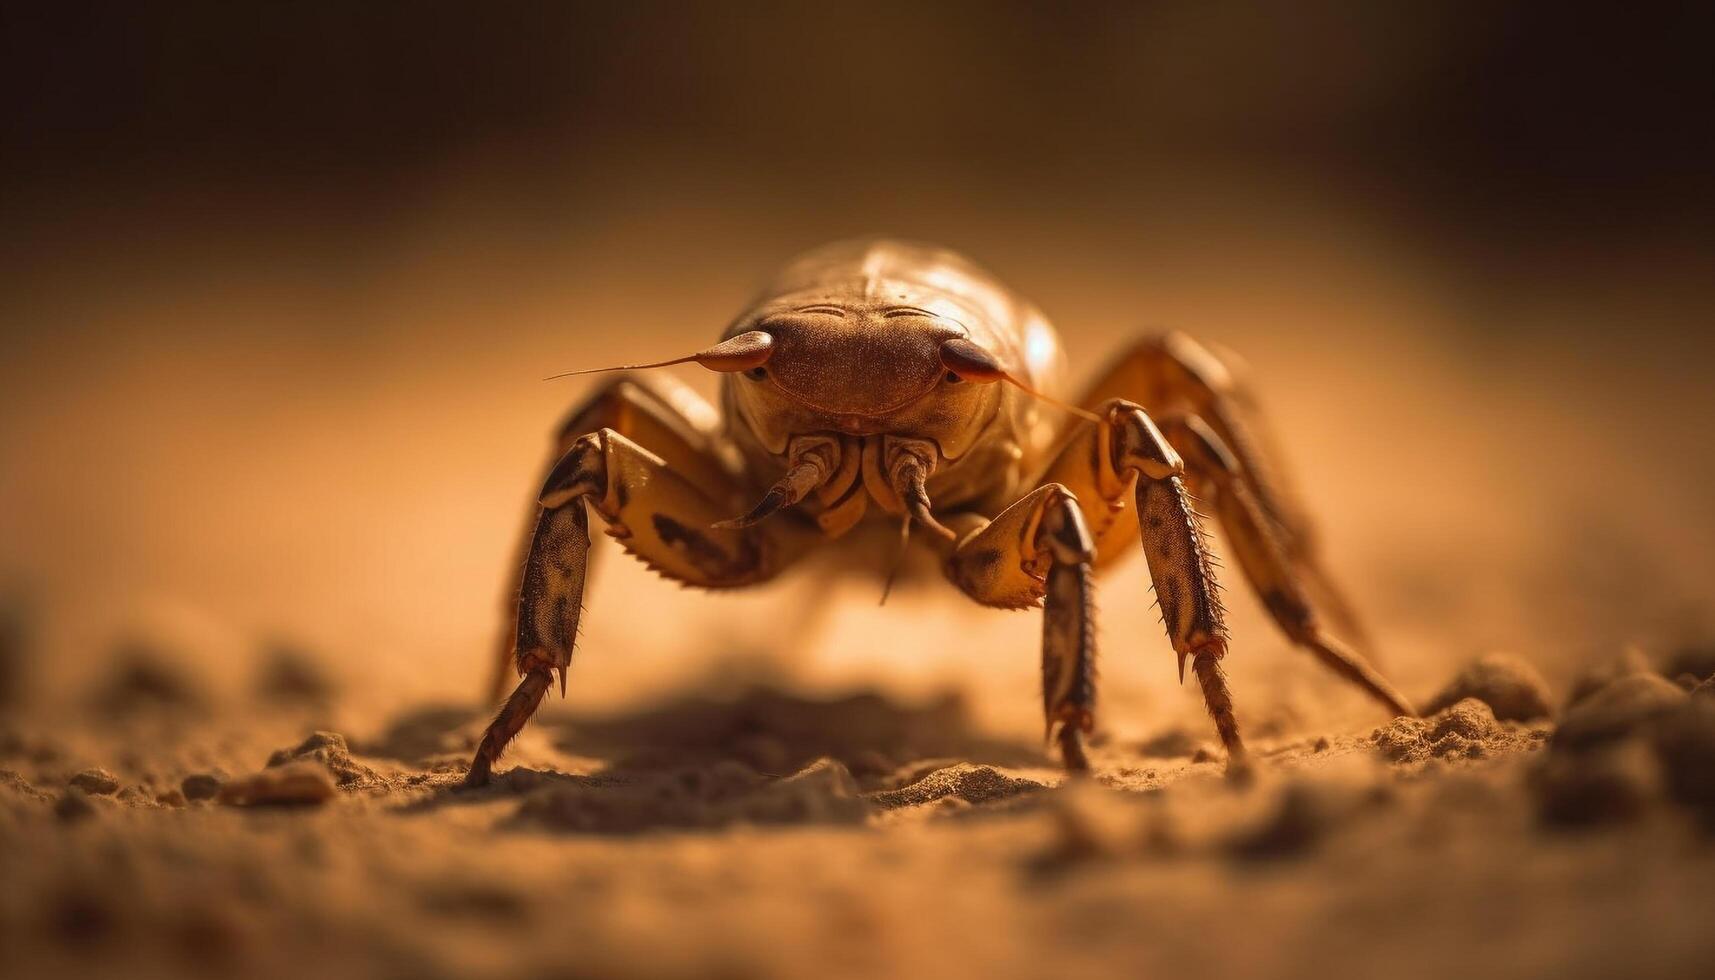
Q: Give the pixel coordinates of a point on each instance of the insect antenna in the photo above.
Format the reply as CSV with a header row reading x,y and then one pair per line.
x,y
1066,407
622,367
970,362
741,353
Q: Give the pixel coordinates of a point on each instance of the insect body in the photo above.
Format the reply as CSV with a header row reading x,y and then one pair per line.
x,y
879,380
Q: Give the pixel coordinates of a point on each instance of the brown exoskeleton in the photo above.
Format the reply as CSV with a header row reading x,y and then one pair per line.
x,y
880,380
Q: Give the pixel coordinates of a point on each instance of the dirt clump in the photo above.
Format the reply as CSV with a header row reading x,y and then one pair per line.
x,y
1512,688
1466,730
15,784
329,749
965,781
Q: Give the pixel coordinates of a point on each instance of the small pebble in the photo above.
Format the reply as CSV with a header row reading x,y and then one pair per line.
x,y
96,782
292,784
201,786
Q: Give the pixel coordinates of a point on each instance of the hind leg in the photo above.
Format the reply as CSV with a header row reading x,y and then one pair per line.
x,y
1210,419
1264,559
1171,374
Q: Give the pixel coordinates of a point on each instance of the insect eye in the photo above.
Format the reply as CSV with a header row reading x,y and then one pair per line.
x,y
756,373
953,379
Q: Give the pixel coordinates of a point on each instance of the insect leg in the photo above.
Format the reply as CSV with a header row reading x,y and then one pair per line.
x,y
655,411
1216,472
1174,374
1039,549
656,513
1125,461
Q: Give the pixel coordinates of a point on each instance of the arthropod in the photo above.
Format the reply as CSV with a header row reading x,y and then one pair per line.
x,y
883,381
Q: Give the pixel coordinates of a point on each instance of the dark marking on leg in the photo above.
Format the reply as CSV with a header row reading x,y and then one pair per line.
x,y
1068,629
1181,566
704,553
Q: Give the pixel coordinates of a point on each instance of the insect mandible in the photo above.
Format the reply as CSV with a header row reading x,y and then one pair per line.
x,y
881,380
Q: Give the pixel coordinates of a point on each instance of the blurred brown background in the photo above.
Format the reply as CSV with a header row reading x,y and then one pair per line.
x,y
279,283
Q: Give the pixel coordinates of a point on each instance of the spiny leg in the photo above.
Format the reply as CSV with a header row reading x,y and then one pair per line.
x,y
1069,632
1127,456
1039,549
655,513
656,411
1264,559
1173,374
550,599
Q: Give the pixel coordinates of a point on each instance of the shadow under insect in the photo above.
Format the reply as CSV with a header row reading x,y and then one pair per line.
x,y
764,757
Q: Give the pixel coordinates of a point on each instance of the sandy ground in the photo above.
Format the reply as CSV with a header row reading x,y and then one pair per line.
x,y
768,834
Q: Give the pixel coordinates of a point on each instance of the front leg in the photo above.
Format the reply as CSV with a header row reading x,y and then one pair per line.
x,y
1126,455
657,412
1039,549
658,515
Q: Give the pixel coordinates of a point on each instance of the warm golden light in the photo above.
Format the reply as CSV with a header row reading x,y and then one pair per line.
x,y
279,292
